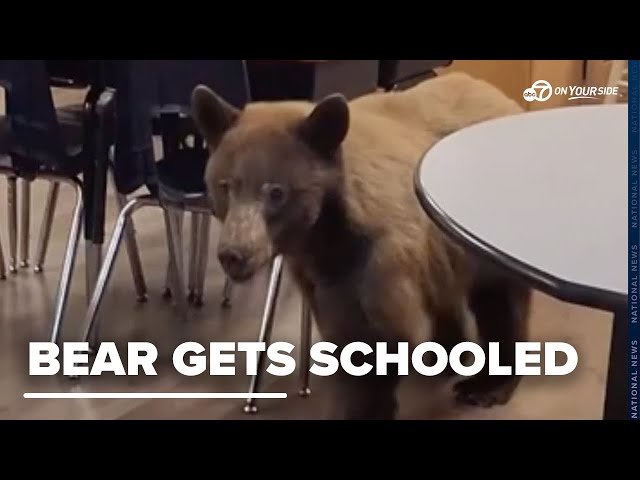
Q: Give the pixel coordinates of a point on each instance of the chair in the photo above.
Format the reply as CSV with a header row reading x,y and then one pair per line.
x,y
164,90
25,212
403,74
71,118
42,143
12,207
5,162
3,272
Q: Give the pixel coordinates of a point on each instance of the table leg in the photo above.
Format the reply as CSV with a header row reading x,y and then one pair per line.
x,y
88,185
97,192
93,249
25,222
12,205
616,405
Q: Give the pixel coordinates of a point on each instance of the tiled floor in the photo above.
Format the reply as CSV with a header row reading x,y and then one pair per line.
x,y
26,311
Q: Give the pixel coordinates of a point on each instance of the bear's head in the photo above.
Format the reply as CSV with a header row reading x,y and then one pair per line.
x,y
271,167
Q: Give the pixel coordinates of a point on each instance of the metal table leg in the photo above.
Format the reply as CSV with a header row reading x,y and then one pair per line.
x,y
616,405
12,206
25,222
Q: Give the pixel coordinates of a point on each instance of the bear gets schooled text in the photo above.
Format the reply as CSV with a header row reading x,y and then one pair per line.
x,y
192,359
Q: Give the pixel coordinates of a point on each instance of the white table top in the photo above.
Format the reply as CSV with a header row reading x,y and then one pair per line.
x,y
546,188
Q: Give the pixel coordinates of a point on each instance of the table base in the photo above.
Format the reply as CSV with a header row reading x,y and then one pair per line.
x,y
616,405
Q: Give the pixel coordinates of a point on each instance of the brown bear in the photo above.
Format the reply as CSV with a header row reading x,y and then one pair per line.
x,y
330,187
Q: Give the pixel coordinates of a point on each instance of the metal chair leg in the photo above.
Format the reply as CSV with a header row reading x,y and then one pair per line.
x,y
130,238
25,220
305,349
12,205
68,265
179,216
193,257
107,266
133,253
266,328
3,271
226,293
93,260
203,258
167,294
173,224
45,228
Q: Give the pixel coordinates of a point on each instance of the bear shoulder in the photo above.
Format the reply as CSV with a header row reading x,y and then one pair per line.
x,y
389,133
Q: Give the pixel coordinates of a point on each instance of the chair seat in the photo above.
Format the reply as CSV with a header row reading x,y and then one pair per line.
x,y
181,178
4,136
70,120
5,161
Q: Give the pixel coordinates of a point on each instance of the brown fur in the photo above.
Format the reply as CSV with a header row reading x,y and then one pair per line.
x,y
371,264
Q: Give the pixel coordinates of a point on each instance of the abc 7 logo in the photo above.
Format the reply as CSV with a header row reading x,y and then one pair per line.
x,y
541,91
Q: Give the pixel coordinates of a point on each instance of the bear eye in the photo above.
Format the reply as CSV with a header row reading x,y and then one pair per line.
x,y
274,194
224,186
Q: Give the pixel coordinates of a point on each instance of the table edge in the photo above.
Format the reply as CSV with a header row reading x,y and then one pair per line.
x,y
556,287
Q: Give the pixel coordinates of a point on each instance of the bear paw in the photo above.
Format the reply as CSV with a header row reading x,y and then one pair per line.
x,y
484,392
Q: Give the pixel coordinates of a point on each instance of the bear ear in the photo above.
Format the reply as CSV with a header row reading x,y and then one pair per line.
x,y
212,115
327,125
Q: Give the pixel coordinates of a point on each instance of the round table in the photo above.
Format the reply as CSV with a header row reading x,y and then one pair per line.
x,y
543,194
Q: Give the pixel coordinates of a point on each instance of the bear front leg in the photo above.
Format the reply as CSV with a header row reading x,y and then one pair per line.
x,y
369,397
392,305
341,321
501,308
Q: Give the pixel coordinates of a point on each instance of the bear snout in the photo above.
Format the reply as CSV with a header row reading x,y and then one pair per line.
x,y
235,262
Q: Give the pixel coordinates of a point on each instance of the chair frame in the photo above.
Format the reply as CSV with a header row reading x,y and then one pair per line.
x,y
95,106
201,212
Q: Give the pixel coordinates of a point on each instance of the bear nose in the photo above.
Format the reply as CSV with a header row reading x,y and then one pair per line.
x,y
233,260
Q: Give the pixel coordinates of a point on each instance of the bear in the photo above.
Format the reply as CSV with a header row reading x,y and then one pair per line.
x,y
329,186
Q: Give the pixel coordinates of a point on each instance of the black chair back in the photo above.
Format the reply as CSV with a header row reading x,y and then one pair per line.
x,y
35,137
158,93
394,72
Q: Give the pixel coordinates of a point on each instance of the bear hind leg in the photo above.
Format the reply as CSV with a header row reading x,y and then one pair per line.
x,y
501,308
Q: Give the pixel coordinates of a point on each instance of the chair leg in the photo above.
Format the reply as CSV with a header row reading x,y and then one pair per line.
x,y
167,294
3,271
173,224
133,252
266,328
107,266
25,222
179,216
93,260
45,228
305,349
226,293
203,258
12,205
68,265
193,257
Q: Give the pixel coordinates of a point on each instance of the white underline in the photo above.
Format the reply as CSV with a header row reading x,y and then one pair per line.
x,y
154,395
